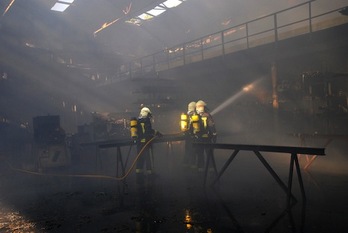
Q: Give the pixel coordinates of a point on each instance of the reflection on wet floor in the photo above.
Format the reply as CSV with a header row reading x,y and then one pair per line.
x,y
203,209
210,210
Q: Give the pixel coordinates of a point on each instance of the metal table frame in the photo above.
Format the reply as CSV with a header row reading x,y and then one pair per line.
x,y
257,149
119,143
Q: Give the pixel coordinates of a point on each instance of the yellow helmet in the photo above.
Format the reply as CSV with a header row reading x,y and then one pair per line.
x,y
191,107
145,112
200,105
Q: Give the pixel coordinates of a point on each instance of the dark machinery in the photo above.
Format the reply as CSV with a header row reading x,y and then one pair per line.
x,y
49,145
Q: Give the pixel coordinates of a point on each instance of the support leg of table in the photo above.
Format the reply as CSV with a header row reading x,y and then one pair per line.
x,y
294,160
299,176
120,164
210,159
206,170
291,172
98,161
233,155
274,174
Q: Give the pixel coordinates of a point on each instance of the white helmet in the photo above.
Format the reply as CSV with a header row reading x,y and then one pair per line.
x,y
200,105
191,107
145,112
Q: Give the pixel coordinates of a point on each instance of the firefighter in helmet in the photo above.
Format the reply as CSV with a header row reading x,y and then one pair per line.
x,y
187,129
142,133
207,134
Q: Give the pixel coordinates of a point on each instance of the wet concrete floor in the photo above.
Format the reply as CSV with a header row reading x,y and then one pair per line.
x,y
246,199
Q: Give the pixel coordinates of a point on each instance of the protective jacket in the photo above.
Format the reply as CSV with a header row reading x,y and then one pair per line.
x,y
145,130
207,126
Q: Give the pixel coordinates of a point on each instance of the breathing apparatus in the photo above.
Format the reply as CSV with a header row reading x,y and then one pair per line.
x,y
133,127
184,122
195,123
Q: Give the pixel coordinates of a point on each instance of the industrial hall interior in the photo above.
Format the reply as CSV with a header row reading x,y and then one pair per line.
x,y
173,116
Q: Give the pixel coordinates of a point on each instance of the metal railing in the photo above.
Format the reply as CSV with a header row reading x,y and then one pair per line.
x,y
264,30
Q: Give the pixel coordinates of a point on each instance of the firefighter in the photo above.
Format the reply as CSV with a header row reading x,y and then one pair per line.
x,y
144,133
186,128
207,134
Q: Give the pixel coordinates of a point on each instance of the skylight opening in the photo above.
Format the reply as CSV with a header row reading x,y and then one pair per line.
x,y
171,3
60,7
66,1
156,11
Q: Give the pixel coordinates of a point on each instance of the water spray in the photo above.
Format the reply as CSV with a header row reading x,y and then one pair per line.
x,y
234,97
227,102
